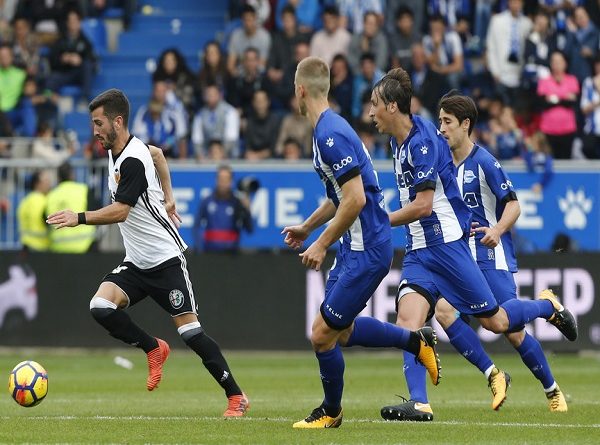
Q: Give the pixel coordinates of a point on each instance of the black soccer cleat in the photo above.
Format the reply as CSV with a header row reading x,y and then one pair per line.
x,y
408,411
562,318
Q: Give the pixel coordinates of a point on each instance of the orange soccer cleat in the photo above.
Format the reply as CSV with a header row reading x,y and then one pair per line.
x,y
237,405
156,359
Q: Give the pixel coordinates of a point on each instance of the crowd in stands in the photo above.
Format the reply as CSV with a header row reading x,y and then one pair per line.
x,y
533,67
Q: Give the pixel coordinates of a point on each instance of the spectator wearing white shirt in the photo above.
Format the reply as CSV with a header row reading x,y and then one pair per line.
x,y
333,39
505,45
444,51
250,35
217,120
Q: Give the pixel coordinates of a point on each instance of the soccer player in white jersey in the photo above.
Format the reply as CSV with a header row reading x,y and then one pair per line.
x,y
438,260
355,210
154,263
489,193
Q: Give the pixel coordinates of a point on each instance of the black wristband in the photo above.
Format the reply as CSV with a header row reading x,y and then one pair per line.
x,y
81,218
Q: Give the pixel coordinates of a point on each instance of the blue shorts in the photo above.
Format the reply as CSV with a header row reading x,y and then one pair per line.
x,y
449,271
352,280
502,284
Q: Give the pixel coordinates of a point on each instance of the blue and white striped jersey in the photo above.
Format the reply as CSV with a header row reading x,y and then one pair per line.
x,y
422,162
486,189
338,156
590,95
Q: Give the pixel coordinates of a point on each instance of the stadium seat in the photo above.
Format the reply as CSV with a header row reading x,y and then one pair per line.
x,y
95,31
80,123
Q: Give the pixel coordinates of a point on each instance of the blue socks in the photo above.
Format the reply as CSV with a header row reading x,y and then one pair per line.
x,y
331,366
533,356
521,312
373,333
465,341
415,374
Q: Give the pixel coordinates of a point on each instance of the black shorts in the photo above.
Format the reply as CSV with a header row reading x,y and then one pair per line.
x,y
168,284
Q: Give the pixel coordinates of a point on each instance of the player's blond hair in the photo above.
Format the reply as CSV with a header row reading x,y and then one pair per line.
x,y
313,74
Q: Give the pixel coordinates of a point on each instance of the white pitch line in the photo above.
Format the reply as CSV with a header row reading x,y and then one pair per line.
x,y
285,419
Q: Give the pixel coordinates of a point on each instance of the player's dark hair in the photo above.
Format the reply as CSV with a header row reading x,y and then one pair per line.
x,y
462,107
395,86
115,104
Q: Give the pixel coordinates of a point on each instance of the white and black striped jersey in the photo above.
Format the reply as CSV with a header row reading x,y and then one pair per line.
x,y
149,236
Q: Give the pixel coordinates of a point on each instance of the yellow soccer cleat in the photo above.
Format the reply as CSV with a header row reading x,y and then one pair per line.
x,y
319,419
428,356
498,382
556,401
562,317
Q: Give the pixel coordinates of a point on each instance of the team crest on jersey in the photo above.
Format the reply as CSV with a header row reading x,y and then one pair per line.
x,y
469,176
117,175
329,142
424,149
176,298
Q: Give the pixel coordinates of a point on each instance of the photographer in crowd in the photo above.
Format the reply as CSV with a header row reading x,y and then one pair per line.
x,y
224,214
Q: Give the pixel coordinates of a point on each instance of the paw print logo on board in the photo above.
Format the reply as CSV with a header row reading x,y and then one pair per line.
x,y
575,207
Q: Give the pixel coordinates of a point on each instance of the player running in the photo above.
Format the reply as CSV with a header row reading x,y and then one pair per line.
x,y
488,192
154,263
438,259
355,211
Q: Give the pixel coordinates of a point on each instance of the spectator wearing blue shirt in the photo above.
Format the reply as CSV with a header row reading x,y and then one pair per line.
x,y
222,216
307,13
539,161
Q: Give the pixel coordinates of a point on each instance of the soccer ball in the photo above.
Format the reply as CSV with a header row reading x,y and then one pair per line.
x,y
28,383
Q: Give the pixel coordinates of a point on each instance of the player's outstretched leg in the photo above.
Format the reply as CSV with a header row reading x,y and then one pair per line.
x,y
373,333
531,353
198,341
562,317
498,382
119,325
156,359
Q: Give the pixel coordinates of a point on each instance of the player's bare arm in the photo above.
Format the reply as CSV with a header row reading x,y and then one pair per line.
x,y
295,235
350,206
160,163
113,213
509,218
421,207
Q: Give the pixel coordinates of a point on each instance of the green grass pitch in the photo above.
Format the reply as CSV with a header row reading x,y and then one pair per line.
x,y
91,400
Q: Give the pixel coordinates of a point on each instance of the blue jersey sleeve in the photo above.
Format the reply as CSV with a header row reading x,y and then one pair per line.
x,y
425,155
498,181
338,152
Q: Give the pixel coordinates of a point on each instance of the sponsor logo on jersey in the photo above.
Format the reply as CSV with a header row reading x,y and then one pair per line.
x,y
342,163
176,298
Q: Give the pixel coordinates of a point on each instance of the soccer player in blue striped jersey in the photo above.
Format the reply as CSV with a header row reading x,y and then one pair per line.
x,y
356,213
438,259
490,195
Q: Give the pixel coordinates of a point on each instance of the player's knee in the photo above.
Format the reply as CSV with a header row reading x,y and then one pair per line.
x,y
515,338
190,331
409,321
494,324
101,308
445,315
